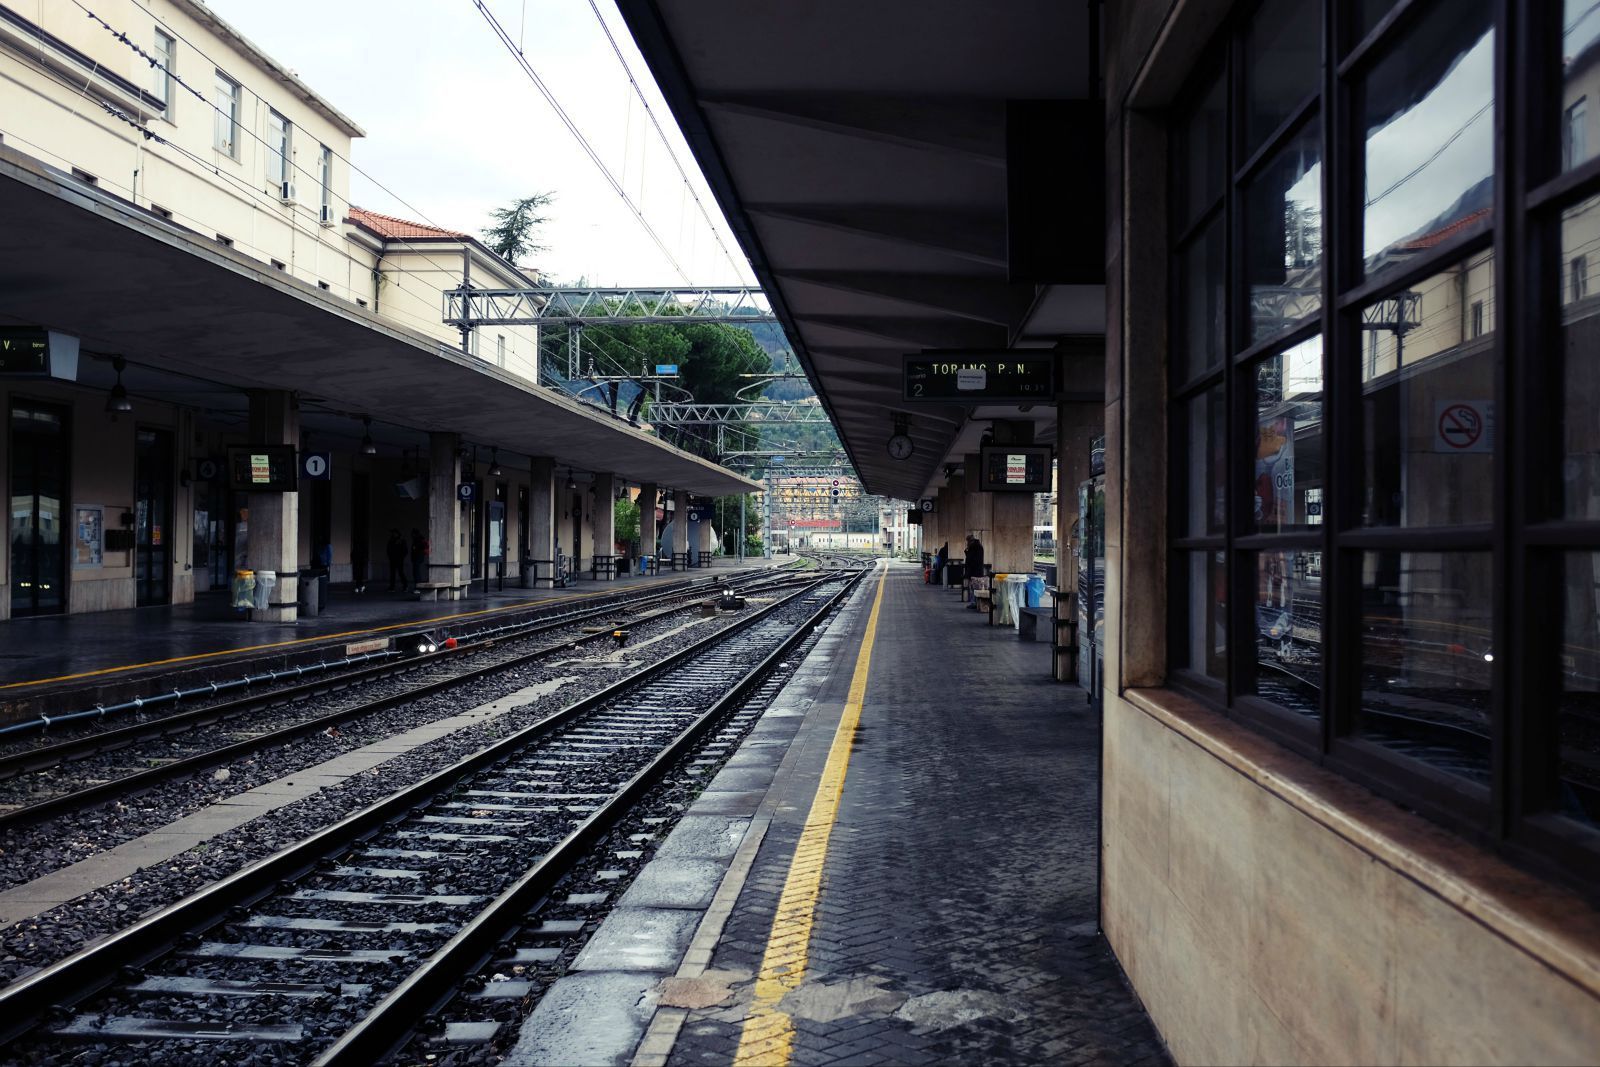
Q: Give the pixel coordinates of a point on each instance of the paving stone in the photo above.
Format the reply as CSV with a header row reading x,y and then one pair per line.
x,y
960,875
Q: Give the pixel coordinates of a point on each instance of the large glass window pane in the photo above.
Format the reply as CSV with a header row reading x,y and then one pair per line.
x,y
1200,155
1580,92
1288,440
1202,594
1282,65
1428,400
1288,668
1204,463
1580,331
1428,110
1426,655
1202,302
1578,717
1283,236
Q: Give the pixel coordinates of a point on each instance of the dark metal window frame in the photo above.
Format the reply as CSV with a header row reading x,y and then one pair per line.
x,y
1517,814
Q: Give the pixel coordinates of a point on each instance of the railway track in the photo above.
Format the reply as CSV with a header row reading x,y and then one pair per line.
x,y
332,950
186,742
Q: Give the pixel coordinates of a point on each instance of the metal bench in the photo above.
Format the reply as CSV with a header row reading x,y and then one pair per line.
x,y
603,567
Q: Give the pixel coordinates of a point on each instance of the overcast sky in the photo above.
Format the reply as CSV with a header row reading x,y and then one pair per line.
x,y
454,126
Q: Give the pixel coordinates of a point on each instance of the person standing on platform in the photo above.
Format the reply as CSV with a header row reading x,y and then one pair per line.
x,y
358,565
396,550
940,558
974,568
420,550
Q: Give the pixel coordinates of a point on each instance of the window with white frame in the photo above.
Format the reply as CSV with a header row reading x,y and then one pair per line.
x,y
325,177
166,62
279,136
228,107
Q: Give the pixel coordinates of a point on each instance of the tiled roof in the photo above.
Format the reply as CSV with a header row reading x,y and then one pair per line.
x,y
1443,233
389,226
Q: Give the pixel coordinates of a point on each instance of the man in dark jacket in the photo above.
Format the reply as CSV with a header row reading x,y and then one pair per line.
x,y
395,549
974,568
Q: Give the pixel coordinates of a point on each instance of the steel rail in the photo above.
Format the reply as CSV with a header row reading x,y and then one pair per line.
x,y
391,1023
141,781
25,1003
21,762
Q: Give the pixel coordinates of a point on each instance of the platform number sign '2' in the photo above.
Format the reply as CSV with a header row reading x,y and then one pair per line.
x,y
1463,426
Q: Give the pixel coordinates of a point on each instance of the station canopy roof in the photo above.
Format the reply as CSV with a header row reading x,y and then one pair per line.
x,y
200,323
859,151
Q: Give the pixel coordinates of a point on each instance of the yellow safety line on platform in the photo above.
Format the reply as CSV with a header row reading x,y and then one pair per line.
x,y
768,1033
414,623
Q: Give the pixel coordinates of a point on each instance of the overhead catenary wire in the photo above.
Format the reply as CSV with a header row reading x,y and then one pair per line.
x,y
583,142
662,134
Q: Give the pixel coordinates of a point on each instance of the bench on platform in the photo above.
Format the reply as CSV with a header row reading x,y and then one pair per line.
x,y
441,590
649,565
603,567
1028,621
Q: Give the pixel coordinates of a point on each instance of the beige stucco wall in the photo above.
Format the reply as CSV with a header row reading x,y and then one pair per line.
x,y
207,190
1268,912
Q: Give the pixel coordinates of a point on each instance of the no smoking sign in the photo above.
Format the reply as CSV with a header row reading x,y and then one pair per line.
x,y
1463,426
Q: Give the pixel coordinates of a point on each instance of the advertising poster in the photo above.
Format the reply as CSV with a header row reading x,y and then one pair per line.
x,y
1275,473
89,537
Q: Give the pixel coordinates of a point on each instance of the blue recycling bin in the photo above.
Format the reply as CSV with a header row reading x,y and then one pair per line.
x,y
1035,594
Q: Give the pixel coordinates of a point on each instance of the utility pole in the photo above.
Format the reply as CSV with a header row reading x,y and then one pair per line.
x,y
741,527
766,536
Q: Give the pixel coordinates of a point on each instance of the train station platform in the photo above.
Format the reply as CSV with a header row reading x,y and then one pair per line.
x,y
897,866
60,662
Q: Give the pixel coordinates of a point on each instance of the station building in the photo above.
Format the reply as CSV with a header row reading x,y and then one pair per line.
x,y
182,273
1321,273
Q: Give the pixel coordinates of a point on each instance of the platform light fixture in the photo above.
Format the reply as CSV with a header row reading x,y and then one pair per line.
x,y
572,483
495,470
368,448
117,403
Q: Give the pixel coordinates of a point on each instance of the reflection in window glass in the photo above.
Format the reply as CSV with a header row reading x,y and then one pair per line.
x,y
1282,65
1202,302
1283,236
1580,62
1578,717
1368,13
1205,463
1428,112
1203,591
1426,655
1288,444
1200,155
1289,630
1428,400
1580,331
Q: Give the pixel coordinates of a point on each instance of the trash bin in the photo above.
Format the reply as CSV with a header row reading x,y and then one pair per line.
x,y
1015,595
1035,590
266,582
312,594
244,590
526,571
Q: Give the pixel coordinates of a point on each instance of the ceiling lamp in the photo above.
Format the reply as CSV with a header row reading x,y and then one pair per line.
x,y
571,482
494,463
117,402
367,447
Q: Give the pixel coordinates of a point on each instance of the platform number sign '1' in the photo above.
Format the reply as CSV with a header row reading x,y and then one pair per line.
x,y
317,466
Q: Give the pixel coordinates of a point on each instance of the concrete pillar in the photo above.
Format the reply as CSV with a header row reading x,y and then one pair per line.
x,y
953,505
1009,546
647,519
447,550
605,515
275,517
542,519
1076,426
979,514
680,522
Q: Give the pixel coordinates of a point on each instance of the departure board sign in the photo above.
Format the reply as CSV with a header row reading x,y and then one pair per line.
x,y
1015,468
981,377
263,468
32,352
